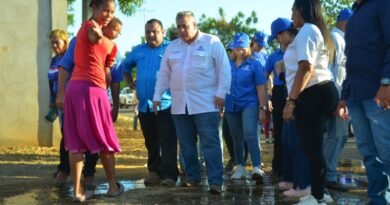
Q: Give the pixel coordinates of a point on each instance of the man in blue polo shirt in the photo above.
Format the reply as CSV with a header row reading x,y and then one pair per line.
x,y
366,91
158,130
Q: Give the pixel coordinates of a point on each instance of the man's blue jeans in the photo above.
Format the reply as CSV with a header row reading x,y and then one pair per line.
x,y
243,128
372,131
187,129
334,141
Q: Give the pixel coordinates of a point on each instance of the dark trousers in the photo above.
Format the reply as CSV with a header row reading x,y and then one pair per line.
x,y
89,164
314,105
279,95
161,142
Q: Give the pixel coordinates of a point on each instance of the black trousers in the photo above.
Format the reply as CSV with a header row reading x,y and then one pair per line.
x,y
314,105
89,163
161,142
279,95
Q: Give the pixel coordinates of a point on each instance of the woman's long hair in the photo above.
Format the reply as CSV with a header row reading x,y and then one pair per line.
x,y
311,12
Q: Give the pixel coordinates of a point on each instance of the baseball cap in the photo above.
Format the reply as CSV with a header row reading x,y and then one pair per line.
x,y
240,40
279,25
260,38
344,15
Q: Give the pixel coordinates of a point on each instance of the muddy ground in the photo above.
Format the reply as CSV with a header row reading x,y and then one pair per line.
x,y
26,177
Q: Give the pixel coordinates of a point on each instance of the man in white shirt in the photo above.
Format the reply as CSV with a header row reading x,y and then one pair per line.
x,y
336,128
196,69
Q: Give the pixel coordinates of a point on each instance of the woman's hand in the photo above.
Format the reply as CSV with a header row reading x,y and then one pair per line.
x,y
288,112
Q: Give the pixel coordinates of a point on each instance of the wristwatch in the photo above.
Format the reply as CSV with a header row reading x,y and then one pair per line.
x,y
385,82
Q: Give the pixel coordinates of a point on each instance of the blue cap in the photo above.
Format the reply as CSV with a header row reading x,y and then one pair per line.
x,y
260,39
279,25
241,40
344,15
230,46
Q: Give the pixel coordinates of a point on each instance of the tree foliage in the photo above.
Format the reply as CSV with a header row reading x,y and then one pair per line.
x,y
221,27
331,9
129,7
70,16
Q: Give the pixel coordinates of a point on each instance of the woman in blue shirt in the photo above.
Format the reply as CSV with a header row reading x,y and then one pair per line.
x,y
242,108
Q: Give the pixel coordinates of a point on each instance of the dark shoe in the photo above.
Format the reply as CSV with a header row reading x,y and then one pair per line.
x,y
229,166
121,189
61,179
215,189
168,182
336,186
190,184
152,179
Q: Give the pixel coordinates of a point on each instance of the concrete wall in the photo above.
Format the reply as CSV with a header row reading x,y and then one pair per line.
x,y
25,55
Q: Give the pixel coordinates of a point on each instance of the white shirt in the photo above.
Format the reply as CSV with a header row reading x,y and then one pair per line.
x,y
195,74
309,46
338,66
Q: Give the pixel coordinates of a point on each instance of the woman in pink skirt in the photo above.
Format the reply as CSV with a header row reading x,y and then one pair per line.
x,y
88,124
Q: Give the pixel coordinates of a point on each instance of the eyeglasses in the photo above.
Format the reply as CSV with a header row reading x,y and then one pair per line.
x,y
185,27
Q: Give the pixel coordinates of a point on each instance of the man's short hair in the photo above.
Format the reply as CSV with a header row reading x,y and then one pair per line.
x,y
183,14
151,21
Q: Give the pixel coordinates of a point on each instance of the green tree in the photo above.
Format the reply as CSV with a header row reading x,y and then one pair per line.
x,y
221,27
331,9
70,12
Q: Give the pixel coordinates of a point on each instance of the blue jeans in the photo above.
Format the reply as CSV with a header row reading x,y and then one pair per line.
x,y
295,165
372,132
187,129
334,141
243,128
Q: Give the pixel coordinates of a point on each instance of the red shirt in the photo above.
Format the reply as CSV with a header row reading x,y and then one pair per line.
x,y
90,58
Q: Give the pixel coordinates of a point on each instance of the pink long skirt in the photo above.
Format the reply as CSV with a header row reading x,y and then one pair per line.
x,y
88,123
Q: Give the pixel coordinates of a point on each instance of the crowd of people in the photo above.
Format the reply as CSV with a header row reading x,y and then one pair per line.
x,y
312,87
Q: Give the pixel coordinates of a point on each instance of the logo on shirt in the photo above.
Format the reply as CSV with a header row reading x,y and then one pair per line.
x,y
245,67
200,48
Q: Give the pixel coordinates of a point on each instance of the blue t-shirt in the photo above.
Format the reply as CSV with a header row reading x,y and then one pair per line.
x,y
243,91
52,74
270,65
147,62
67,63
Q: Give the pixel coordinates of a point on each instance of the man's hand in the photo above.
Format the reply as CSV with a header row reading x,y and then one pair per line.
x,y
382,97
219,103
342,110
156,106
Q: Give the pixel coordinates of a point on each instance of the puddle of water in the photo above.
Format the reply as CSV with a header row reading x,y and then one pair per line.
x,y
102,189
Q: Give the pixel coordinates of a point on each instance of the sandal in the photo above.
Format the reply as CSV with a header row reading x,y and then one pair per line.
x,y
121,189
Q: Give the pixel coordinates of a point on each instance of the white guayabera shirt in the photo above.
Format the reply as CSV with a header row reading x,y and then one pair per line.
x,y
195,74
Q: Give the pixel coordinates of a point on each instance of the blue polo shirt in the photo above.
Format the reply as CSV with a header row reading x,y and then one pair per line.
x,y
243,91
147,62
367,47
52,74
270,65
261,57
67,63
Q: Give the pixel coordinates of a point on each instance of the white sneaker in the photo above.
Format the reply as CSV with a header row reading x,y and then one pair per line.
x,y
257,174
297,193
387,192
284,186
239,173
309,200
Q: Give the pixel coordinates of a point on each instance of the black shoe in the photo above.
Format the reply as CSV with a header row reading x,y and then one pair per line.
x,y
336,186
215,189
